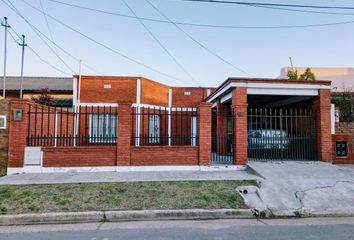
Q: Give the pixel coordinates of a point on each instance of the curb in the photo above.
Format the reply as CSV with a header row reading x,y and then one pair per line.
x,y
117,216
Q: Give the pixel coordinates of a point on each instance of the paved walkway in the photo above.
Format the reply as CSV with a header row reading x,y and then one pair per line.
x,y
306,187
90,177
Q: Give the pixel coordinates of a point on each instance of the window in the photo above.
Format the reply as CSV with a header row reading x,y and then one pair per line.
x,y
107,86
187,93
154,129
103,128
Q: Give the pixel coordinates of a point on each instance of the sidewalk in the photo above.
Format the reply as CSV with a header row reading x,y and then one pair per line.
x,y
305,188
95,177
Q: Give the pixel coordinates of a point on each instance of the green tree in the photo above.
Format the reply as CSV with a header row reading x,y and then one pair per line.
x,y
307,75
44,97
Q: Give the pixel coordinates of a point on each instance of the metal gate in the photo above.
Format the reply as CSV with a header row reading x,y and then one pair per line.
x,y
222,137
282,134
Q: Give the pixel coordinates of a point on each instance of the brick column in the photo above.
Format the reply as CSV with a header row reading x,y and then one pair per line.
x,y
322,105
204,126
124,133
4,136
18,133
239,109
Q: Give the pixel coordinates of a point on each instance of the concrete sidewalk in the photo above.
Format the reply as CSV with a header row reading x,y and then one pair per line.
x,y
306,188
94,177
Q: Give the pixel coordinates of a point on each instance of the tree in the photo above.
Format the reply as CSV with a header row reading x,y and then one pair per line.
x,y
44,97
292,75
307,75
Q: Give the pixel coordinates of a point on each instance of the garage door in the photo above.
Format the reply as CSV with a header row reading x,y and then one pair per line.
x,y
282,134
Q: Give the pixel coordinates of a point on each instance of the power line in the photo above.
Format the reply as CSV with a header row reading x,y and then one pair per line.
x,y
272,4
101,44
48,26
56,45
13,8
36,54
160,43
194,40
215,25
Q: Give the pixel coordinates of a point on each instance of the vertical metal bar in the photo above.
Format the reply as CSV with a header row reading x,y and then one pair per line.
x,y
55,127
42,124
61,126
104,125
67,126
29,126
48,123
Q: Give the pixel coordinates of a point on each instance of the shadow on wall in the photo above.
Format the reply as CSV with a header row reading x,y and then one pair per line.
x,y
4,135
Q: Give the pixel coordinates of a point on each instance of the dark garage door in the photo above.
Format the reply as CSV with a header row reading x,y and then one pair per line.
x,y
281,134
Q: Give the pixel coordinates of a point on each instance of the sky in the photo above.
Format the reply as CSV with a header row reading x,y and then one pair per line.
x,y
257,52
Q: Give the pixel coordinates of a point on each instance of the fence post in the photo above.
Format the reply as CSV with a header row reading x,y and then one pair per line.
x,y
239,111
124,133
204,126
18,133
322,105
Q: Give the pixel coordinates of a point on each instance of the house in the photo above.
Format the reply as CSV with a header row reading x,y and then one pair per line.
x,y
133,123
61,88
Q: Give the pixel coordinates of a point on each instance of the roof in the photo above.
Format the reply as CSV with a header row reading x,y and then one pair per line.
x,y
36,83
223,88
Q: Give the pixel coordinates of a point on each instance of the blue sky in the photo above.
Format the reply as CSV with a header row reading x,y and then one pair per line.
x,y
259,52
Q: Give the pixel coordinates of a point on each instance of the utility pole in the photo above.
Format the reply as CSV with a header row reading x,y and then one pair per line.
x,y
23,45
291,63
6,26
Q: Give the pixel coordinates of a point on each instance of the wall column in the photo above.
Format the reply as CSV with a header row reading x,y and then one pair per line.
x,y
322,106
239,109
18,133
124,133
204,126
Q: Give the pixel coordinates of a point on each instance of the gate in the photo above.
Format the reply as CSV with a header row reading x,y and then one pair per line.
x,y
222,137
282,134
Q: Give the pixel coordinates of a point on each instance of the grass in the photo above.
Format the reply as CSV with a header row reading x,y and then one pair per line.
x,y
121,196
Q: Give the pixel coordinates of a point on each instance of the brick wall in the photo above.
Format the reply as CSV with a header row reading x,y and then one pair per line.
x,y
92,89
164,155
93,156
344,159
4,137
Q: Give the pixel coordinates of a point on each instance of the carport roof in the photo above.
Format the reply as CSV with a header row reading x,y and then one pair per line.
x,y
267,83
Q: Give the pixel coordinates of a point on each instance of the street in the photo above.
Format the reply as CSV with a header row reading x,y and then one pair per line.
x,y
272,229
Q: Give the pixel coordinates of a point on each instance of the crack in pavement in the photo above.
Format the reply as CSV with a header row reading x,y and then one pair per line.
x,y
301,194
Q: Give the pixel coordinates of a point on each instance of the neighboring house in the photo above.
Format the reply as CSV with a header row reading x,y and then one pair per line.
x,y
342,78
61,88
342,92
132,123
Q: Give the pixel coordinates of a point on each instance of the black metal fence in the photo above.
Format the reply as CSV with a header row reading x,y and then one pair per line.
x,y
64,126
282,134
164,126
222,136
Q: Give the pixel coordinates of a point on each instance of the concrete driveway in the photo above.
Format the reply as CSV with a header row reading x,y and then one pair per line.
x,y
306,188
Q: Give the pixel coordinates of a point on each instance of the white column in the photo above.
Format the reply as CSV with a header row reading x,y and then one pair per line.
x,y
169,115
137,124
333,119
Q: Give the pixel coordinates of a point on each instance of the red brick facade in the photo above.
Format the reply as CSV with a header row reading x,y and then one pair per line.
x,y
123,93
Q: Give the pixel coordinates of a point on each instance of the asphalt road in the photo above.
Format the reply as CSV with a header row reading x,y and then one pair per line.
x,y
311,228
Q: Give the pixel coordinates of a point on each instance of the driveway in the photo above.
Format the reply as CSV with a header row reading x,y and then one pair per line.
x,y
306,188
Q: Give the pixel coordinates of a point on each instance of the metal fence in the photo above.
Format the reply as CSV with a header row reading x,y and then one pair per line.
x,y
164,126
282,134
64,126
222,136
